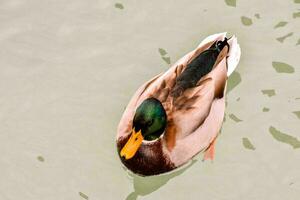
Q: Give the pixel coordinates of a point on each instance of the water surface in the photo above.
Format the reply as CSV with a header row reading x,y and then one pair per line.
x,y
68,69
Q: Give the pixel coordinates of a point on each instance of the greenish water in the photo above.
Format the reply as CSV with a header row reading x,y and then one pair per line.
x,y
282,137
247,144
281,67
68,69
246,21
281,39
281,24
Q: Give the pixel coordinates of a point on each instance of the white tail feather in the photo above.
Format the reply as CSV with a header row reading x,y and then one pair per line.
x,y
234,55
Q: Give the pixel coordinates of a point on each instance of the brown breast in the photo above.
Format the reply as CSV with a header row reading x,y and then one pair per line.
x,y
148,160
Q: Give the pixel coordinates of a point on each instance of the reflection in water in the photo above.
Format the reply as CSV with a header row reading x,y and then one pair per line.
x,y
246,21
281,39
285,138
247,144
146,185
280,24
282,67
233,80
235,118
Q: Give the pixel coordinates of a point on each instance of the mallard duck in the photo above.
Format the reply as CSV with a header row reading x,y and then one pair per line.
x,y
179,113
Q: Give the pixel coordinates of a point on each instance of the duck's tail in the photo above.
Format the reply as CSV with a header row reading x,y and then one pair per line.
x,y
234,49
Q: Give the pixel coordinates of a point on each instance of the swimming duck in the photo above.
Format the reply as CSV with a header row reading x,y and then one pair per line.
x,y
179,113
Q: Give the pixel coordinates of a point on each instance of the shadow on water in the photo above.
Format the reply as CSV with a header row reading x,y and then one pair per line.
x,y
146,185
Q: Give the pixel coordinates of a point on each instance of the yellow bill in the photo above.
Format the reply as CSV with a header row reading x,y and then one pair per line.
x,y
132,145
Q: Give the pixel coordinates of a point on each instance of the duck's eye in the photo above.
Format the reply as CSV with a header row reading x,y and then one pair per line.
x,y
150,122
219,43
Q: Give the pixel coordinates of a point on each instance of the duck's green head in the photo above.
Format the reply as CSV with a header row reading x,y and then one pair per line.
x,y
149,123
150,117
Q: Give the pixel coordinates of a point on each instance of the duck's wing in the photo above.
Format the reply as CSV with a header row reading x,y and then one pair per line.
x,y
199,119
191,109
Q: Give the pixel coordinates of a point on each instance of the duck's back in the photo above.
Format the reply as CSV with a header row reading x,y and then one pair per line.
x,y
195,70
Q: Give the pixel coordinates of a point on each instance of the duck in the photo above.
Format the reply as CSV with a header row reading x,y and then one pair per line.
x,y
178,113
